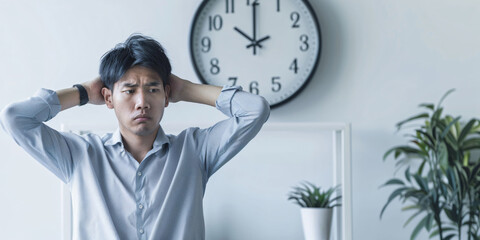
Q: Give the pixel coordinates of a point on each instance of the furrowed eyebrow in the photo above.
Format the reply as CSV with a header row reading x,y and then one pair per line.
x,y
150,84
129,85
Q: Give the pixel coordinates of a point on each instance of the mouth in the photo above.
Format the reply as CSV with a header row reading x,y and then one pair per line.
x,y
141,118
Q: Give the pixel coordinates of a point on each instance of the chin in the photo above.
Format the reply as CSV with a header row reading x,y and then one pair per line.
x,y
145,131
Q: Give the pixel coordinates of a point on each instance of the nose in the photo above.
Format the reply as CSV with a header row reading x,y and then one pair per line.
x,y
141,101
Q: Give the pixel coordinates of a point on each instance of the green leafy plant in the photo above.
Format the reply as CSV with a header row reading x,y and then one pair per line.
x,y
308,195
442,181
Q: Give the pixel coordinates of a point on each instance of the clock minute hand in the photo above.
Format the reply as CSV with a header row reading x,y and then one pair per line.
x,y
254,5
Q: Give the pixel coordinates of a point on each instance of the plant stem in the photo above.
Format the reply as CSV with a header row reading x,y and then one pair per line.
x,y
471,215
436,200
459,222
439,223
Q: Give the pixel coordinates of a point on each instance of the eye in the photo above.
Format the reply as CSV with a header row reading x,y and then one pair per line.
x,y
129,91
153,90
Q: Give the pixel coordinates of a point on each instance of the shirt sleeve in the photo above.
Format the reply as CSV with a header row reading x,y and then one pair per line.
x,y
24,122
247,113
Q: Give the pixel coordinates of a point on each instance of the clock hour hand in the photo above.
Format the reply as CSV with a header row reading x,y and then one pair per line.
x,y
245,35
257,43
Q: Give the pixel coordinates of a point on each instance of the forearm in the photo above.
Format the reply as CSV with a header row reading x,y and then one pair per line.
x,y
200,93
68,97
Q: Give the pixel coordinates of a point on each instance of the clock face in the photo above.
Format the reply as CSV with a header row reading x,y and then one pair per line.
x,y
269,47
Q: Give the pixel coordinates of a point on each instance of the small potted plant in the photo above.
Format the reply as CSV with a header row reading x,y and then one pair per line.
x,y
317,208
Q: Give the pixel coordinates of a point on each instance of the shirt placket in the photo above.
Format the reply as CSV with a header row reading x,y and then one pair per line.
x,y
140,202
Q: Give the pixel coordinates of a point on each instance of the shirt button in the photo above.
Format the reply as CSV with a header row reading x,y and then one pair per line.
x,y
139,173
141,230
140,206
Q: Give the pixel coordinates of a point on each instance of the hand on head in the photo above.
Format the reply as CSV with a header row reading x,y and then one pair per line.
x,y
94,90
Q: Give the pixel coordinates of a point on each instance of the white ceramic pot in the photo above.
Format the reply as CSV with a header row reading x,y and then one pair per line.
x,y
316,223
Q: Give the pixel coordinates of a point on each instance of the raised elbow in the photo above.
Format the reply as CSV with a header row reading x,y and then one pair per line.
x,y
8,117
264,109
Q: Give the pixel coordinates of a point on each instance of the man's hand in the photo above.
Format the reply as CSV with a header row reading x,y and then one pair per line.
x,y
94,90
177,85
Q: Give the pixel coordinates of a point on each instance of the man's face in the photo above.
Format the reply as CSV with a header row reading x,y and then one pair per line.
x,y
139,100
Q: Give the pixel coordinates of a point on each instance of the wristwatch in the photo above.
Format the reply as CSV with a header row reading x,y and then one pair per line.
x,y
83,94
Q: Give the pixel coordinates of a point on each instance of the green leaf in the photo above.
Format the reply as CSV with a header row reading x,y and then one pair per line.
x,y
452,142
443,155
419,227
436,232
410,207
394,194
418,116
475,171
448,127
436,117
414,193
429,137
394,181
429,221
453,130
407,174
449,237
405,149
466,158
457,128
444,96
452,179
470,144
427,105
297,201
412,217
466,130
450,214
477,127
421,182
420,169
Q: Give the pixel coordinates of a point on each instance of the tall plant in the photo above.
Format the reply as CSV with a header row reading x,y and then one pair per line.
x,y
442,181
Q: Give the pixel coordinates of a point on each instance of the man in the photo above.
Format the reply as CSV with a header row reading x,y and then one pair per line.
x,y
138,182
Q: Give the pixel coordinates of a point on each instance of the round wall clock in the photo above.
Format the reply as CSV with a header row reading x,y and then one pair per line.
x,y
269,47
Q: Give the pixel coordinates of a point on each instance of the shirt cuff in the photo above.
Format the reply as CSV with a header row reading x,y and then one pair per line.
x,y
224,100
50,97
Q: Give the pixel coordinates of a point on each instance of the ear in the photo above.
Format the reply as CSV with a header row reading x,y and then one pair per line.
x,y
107,96
167,94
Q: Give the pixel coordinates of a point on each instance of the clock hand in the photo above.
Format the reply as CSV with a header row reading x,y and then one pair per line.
x,y
243,34
246,36
257,43
262,39
254,5
254,20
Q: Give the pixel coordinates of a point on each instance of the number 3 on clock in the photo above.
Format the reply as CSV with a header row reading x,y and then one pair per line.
x,y
270,48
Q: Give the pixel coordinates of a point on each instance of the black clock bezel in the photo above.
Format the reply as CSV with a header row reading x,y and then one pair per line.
x,y
304,84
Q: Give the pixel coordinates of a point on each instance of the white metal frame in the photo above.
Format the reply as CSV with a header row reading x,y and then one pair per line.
x,y
341,137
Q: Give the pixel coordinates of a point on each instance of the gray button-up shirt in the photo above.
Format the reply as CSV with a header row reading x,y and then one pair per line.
x,y
115,197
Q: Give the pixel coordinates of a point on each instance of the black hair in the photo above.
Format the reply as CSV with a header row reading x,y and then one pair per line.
x,y
137,50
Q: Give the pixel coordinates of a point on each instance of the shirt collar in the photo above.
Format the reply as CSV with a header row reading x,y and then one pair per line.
x,y
160,139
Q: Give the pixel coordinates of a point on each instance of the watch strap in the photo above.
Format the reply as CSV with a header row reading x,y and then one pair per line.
x,y
83,94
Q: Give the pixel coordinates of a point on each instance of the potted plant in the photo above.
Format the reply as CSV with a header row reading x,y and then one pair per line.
x,y
442,180
317,208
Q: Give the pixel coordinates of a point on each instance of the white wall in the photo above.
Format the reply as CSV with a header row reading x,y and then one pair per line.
x,y
380,59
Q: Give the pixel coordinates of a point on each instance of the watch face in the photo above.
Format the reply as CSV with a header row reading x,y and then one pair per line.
x,y
270,48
